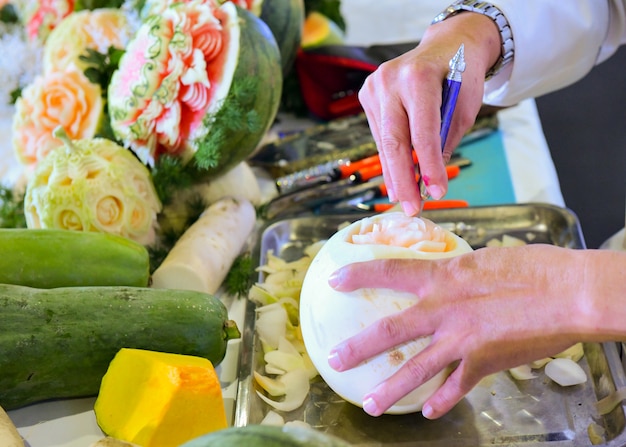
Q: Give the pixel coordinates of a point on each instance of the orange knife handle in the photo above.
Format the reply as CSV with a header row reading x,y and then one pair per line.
x,y
452,171
444,204
371,171
348,169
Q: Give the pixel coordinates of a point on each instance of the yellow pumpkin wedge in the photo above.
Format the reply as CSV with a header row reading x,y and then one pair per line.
x,y
159,399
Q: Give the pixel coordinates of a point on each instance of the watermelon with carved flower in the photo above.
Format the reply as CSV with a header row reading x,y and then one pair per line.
x,y
199,81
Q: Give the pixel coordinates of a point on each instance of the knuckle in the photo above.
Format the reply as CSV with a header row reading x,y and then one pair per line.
x,y
390,328
392,268
417,371
348,353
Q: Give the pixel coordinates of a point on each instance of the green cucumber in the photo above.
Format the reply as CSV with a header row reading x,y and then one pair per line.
x,y
267,436
58,343
48,258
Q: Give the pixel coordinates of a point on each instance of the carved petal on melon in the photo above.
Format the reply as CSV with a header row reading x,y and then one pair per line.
x,y
178,68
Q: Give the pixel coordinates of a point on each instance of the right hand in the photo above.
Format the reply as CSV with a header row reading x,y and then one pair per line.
x,y
402,101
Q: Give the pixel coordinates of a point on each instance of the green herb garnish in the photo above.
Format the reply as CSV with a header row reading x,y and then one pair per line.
x,y
240,276
11,209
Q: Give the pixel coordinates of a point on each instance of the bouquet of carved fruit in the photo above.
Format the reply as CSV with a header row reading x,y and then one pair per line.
x,y
190,88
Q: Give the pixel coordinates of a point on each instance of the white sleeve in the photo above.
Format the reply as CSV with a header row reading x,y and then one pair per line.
x,y
556,43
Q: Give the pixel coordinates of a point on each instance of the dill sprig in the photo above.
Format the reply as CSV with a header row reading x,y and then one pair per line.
x,y
170,174
11,208
167,234
240,276
101,66
235,120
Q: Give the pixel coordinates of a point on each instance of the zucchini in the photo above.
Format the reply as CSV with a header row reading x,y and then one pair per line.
x,y
48,258
58,343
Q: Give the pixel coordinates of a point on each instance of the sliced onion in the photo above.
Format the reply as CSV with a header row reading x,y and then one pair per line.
x,y
260,295
301,424
273,418
284,360
287,347
574,352
522,372
309,366
565,372
608,403
271,369
274,387
297,389
271,324
311,250
511,241
596,433
540,363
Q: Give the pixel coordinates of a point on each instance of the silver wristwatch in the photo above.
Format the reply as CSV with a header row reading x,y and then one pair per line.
x,y
491,11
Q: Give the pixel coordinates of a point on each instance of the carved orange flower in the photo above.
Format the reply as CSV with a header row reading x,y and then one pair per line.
x,y
64,98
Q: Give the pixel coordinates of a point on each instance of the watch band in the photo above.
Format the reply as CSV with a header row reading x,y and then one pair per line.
x,y
491,11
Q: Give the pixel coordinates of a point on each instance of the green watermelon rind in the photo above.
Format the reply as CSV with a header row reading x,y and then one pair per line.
x,y
285,18
233,131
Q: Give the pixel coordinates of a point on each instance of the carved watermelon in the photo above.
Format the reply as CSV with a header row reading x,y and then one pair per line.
x,y
198,81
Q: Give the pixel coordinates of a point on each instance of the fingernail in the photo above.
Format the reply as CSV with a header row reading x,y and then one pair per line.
x,y
435,192
427,411
370,406
334,280
391,195
334,361
409,209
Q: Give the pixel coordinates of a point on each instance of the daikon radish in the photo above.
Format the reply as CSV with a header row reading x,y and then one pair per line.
x,y
9,436
202,257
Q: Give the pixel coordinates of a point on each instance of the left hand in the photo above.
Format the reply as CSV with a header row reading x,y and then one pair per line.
x,y
486,311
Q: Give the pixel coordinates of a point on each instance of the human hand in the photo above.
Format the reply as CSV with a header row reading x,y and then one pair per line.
x,y
402,102
486,311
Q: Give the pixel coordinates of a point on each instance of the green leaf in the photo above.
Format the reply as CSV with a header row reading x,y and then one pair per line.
x,y
101,66
240,276
11,208
8,14
95,4
168,175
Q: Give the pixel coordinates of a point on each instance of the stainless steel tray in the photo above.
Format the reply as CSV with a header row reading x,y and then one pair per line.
x,y
500,410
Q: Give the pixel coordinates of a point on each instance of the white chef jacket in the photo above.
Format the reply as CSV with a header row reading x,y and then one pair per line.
x,y
557,42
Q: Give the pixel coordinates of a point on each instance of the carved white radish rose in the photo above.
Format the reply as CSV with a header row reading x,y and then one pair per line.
x,y
327,316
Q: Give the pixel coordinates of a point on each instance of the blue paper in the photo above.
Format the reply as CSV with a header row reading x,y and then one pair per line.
x,y
487,181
